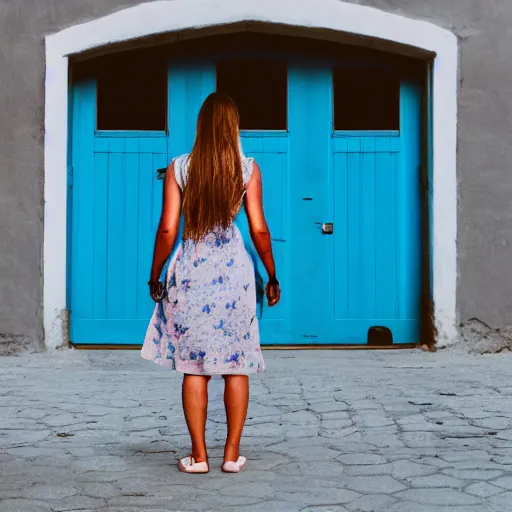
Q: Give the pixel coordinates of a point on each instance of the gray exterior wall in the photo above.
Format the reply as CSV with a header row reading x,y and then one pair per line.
x,y
484,152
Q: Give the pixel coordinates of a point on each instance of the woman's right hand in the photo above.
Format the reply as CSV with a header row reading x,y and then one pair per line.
x,y
273,292
156,290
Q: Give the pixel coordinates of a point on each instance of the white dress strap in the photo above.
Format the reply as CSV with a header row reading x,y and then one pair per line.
x,y
181,170
247,167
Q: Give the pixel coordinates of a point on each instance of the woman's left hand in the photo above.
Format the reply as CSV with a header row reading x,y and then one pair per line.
x,y
156,290
273,292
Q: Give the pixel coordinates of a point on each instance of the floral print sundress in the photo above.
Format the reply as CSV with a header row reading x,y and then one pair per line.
x,y
206,324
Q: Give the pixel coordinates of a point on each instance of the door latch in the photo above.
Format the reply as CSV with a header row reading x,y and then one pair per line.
x,y
327,227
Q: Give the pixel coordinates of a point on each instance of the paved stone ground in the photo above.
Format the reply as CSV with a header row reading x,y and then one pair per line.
x,y
400,431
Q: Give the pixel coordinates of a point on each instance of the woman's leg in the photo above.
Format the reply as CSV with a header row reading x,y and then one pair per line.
x,y
195,406
236,400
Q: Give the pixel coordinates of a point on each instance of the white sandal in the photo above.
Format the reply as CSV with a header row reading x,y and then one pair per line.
x,y
234,467
189,465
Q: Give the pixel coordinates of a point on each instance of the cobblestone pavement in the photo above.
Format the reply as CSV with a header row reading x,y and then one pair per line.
x,y
394,431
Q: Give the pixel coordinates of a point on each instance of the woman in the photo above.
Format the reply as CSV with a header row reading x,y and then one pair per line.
x,y
205,321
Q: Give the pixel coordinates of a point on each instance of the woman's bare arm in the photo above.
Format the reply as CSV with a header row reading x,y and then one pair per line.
x,y
169,225
258,227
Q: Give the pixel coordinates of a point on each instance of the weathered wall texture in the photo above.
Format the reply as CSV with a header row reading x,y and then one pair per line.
x,y
484,152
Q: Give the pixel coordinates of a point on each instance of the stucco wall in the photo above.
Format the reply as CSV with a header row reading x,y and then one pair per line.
x,y
485,184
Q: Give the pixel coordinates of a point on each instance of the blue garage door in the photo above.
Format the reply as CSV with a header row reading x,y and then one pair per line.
x,y
341,192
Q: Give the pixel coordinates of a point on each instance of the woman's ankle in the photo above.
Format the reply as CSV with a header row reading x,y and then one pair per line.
x,y
199,456
231,451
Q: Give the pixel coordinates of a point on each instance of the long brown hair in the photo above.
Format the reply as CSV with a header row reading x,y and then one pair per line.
x,y
215,184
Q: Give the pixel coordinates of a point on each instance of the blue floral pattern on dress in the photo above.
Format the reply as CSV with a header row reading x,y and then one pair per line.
x,y
206,323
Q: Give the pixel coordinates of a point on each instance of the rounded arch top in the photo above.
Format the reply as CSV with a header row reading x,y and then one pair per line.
x,y
168,16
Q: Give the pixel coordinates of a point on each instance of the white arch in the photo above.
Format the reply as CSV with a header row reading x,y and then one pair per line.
x,y
163,16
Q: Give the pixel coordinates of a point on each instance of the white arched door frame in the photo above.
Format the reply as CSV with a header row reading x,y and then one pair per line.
x,y
164,16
